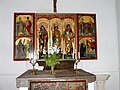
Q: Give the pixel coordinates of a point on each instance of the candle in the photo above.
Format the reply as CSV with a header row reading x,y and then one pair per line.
x,y
78,54
35,55
31,56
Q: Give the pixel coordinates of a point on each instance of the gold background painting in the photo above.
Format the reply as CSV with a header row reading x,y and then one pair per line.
x,y
59,21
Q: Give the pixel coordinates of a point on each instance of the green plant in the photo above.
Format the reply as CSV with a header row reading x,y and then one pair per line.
x,y
52,59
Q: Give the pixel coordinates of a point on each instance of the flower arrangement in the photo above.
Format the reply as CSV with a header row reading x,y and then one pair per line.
x,y
52,58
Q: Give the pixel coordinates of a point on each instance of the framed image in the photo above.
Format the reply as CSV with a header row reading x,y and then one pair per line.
x,y
87,37
23,36
58,85
73,33
56,29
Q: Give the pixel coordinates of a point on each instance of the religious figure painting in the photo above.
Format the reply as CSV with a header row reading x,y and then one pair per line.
x,y
87,43
23,35
24,47
59,30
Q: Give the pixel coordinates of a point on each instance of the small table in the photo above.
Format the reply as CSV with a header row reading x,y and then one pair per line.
x,y
60,75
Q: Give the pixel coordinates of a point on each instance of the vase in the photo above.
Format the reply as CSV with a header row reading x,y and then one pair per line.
x,y
52,70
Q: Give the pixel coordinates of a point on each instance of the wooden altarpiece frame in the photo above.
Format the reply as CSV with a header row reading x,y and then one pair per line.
x,y
73,33
23,36
87,37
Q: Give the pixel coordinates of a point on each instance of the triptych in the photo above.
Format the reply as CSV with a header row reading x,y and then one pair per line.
x,y
73,33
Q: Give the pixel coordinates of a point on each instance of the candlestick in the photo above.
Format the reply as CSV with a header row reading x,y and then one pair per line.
x,y
76,63
33,61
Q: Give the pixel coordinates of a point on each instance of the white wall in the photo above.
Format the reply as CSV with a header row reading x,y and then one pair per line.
x,y
107,35
118,19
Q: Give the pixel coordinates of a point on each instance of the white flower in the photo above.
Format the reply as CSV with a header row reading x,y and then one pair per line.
x,y
58,50
51,50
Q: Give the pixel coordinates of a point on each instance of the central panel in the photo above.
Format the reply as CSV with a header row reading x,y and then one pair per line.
x,y
56,30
